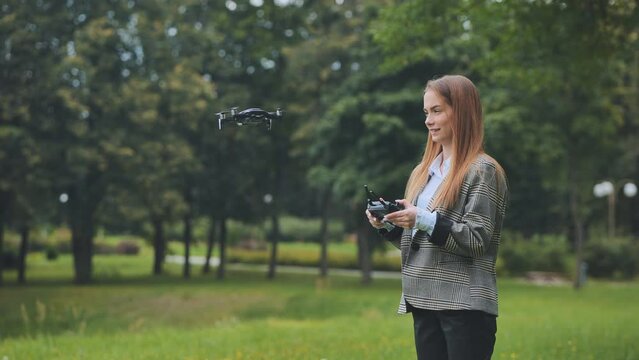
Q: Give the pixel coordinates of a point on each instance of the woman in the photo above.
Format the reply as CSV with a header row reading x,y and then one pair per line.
x,y
449,230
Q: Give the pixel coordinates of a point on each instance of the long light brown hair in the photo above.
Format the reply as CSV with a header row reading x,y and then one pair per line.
x,y
468,138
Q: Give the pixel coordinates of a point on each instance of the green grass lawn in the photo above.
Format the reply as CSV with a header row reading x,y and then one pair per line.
x,y
127,314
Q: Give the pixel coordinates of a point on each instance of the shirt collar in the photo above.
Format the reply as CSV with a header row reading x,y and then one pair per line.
x,y
435,168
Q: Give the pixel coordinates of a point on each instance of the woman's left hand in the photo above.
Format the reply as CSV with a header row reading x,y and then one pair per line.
x,y
403,218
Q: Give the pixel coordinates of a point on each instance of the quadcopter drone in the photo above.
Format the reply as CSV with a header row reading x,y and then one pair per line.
x,y
252,116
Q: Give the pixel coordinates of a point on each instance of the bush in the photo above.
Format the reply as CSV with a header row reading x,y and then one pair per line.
x,y
617,258
37,244
292,228
51,253
306,230
127,247
60,246
64,246
101,248
540,253
58,239
238,231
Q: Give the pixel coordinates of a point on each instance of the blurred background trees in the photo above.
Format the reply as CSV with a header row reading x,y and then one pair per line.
x,y
108,120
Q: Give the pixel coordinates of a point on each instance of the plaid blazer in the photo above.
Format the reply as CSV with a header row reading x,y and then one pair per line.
x,y
454,267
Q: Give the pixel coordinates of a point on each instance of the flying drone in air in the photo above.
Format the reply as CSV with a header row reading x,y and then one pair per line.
x,y
251,116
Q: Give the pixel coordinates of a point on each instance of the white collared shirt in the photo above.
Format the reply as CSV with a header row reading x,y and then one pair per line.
x,y
426,220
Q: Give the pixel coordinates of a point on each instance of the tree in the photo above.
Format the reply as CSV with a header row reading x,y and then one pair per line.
x,y
34,44
570,53
550,71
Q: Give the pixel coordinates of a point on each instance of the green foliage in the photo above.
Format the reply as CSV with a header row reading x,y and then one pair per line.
x,y
306,230
539,253
45,240
51,253
414,32
616,258
239,231
124,247
292,229
554,79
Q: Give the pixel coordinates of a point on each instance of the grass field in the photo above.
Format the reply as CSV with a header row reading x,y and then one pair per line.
x,y
127,314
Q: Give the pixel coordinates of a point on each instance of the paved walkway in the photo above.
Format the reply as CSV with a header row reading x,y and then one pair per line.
x,y
199,260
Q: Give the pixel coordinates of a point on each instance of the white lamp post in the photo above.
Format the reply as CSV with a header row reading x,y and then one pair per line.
x,y
609,189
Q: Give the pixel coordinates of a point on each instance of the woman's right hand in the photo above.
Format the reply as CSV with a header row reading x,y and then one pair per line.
x,y
373,220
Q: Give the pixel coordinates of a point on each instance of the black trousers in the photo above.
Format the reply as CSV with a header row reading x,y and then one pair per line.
x,y
453,334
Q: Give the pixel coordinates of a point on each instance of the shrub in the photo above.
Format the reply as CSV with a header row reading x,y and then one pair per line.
x,y
127,247
238,231
63,246
307,230
58,239
617,258
60,246
540,253
38,244
252,244
51,253
61,234
101,248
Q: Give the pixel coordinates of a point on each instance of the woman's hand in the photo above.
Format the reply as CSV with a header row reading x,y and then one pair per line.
x,y
373,220
403,218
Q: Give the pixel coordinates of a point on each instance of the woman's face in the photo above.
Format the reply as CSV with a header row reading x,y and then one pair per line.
x,y
439,118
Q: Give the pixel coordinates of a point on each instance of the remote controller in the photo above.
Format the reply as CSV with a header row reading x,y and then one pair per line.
x,y
378,207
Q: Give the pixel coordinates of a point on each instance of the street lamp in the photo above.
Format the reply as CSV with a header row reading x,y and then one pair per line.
x,y
609,189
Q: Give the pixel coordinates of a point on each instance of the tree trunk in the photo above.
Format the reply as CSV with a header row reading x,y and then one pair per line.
x,y
4,204
188,222
209,246
82,244
159,245
84,199
275,235
81,221
579,236
323,234
188,232
577,220
364,253
1,244
279,143
221,268
22,256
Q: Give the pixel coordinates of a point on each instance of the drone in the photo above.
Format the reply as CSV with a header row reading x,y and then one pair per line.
x,y
251,116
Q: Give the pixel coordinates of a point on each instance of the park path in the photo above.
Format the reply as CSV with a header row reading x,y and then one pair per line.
x,y
291,269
